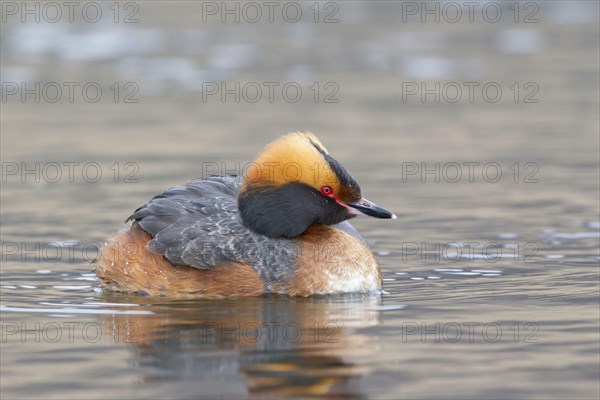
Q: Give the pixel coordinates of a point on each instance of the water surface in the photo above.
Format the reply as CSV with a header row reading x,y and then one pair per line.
x,y
491,283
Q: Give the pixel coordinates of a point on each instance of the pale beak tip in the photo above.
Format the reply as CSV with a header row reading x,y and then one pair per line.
x,y
394,216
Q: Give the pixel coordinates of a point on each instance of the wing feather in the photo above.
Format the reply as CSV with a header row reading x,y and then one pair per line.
x,y
199,225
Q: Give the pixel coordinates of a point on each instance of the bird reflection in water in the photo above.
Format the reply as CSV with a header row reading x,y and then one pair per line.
x,y
273,346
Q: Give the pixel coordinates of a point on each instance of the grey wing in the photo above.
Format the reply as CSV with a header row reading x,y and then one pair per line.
x,y
197,224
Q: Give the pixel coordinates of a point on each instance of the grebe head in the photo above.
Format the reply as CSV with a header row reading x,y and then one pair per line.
x,y
294,183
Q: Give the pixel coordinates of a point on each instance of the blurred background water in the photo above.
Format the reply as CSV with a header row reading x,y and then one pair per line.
x,y
477,124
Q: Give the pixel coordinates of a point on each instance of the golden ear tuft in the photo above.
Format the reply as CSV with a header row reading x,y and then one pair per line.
x,y
312,139
300,141
296,156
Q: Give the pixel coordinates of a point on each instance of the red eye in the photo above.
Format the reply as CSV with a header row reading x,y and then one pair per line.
x,y
327,190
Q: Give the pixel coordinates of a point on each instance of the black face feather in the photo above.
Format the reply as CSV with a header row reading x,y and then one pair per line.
x,y
287,211
340,172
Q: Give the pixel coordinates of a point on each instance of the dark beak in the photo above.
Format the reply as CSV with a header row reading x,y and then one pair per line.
x,y
365,207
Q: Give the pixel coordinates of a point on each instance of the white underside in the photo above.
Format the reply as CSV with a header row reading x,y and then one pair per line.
x,y
353,280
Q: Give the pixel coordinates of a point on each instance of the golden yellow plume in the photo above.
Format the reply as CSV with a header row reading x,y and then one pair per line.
x,y
292,158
